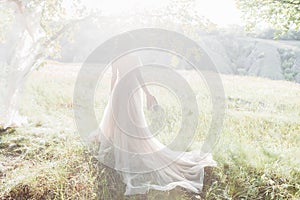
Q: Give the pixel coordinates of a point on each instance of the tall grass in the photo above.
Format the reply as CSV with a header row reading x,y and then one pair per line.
x,y
258,151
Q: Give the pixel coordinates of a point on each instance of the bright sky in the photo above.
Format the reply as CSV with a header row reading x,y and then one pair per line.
x,y
221,12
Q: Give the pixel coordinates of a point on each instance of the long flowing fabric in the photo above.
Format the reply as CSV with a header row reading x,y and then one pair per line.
x,y
127,145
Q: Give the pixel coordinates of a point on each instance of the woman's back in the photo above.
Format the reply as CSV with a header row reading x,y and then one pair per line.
x,y
126,64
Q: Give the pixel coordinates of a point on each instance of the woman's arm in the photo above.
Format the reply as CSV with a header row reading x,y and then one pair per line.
x,y
139,63
141,81
151,100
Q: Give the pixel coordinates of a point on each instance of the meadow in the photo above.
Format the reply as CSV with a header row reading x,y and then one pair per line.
x,y
258,151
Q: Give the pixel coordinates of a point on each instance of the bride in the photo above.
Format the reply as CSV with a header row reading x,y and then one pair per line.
x,y
128,146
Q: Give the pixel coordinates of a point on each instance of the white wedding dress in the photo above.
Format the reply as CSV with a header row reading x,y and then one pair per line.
x,y
128,146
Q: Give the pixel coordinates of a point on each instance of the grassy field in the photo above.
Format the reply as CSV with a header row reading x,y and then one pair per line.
x,y
258,151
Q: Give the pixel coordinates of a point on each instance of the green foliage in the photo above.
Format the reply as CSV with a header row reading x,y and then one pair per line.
x,y
45,21
271,33
283,15
288,60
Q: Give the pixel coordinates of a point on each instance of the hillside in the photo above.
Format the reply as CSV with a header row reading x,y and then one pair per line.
x,y
274,59
257,153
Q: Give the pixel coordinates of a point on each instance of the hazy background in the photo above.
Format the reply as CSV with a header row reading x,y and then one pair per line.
x,y
254,44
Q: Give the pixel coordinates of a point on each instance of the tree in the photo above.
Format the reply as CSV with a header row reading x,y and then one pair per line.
x,y
40,25
283,15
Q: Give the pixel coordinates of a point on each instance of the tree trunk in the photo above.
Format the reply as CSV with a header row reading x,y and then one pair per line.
x,y
20,65
27,54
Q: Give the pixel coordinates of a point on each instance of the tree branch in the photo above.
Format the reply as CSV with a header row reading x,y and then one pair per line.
x,y
64,29
296,5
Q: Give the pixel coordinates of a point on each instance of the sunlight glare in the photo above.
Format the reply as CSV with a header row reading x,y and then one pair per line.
x,y
220,12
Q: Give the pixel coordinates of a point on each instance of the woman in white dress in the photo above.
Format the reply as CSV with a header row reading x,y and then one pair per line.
x,y
127,145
